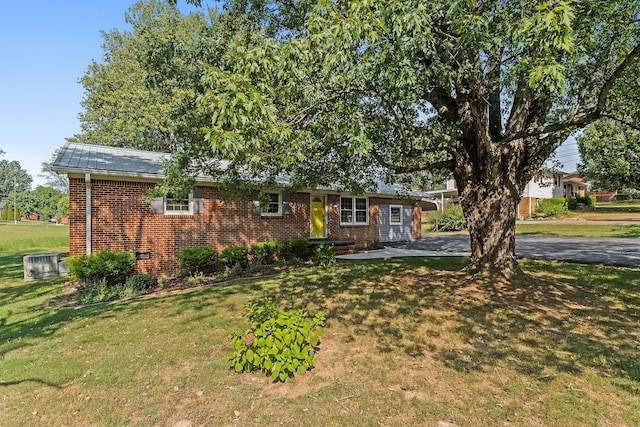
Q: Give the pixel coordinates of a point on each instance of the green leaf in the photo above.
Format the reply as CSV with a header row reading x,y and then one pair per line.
x,y
313,339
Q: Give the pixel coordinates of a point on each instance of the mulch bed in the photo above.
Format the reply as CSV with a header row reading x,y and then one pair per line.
x,y
69,297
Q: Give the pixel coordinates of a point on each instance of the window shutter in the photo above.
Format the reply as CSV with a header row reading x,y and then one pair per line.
x,y
157,205
286,204
255,207
198,201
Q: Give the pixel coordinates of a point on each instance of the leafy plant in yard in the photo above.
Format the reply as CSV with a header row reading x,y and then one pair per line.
x,y
112,266
101,291
263,252
587,201
256,267
325,256
194,280
233,271
450,218
552,208
296,248
200,259
281,343
140,282
235,255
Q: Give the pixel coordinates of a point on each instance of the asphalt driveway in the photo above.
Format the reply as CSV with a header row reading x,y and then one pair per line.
x,y
588,250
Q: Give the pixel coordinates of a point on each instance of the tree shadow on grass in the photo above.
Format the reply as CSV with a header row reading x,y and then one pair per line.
x,y
547,326
569,318
564,318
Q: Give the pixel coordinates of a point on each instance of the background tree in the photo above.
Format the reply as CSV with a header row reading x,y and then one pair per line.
x,y
54,180
63,205
144,92
12,173
484,90
42,201
610,154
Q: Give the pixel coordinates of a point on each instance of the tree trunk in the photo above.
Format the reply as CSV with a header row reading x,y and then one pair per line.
x,y
491,211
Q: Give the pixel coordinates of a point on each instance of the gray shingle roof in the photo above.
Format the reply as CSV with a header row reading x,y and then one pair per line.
x,y
87,158
127,162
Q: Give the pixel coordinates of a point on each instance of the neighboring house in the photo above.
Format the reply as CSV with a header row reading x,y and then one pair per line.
x,y
31,217
575,185
544,185
108,186
604,195
3,207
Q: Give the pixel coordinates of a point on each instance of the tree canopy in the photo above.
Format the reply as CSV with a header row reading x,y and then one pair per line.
x,y
610,155
12,174
143,94
53,179
42,201
348,92
484,90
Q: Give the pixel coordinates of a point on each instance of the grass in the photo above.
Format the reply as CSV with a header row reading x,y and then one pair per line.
x,y
408,342
576,229
568,228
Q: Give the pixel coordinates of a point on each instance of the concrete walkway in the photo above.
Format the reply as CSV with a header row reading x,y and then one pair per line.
x,y
587,250
391,252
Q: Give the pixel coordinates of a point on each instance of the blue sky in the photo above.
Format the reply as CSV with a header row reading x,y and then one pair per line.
x,y
46,47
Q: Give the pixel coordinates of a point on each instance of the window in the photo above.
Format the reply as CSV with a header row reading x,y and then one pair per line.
x,y
177,206
354,210
272,205
395,215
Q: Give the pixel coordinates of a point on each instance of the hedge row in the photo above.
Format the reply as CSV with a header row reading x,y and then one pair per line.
x,y
205,260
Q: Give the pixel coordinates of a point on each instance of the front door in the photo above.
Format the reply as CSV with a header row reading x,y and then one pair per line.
x,y
318,215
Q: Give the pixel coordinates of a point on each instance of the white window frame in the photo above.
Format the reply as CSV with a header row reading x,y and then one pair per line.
x,y
189,211
354,210
391,221
279,212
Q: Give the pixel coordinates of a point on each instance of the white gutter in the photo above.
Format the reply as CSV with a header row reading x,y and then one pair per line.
x,y
87,182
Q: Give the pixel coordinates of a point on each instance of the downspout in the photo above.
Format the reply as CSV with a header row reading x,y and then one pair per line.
x,y
87,182
529,195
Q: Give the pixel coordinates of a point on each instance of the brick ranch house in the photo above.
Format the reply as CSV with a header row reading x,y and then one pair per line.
x,y
107,189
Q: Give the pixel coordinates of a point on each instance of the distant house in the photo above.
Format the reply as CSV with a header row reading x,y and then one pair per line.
x,y
107,189
3,207
575,185
544,185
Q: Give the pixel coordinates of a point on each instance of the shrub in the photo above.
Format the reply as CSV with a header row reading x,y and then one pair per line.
x,y
256,267
263,252
100,291
232,271
586,201
552,208
325,256
200,259
140,282
162,282
279,343
450,219
296,248
235,255
111,266
194,280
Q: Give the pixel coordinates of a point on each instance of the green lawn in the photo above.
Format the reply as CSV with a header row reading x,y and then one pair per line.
x,y
408,342
543,228
577,229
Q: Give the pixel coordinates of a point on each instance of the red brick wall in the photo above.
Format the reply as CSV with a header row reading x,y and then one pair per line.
x,y
523,207
122,220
